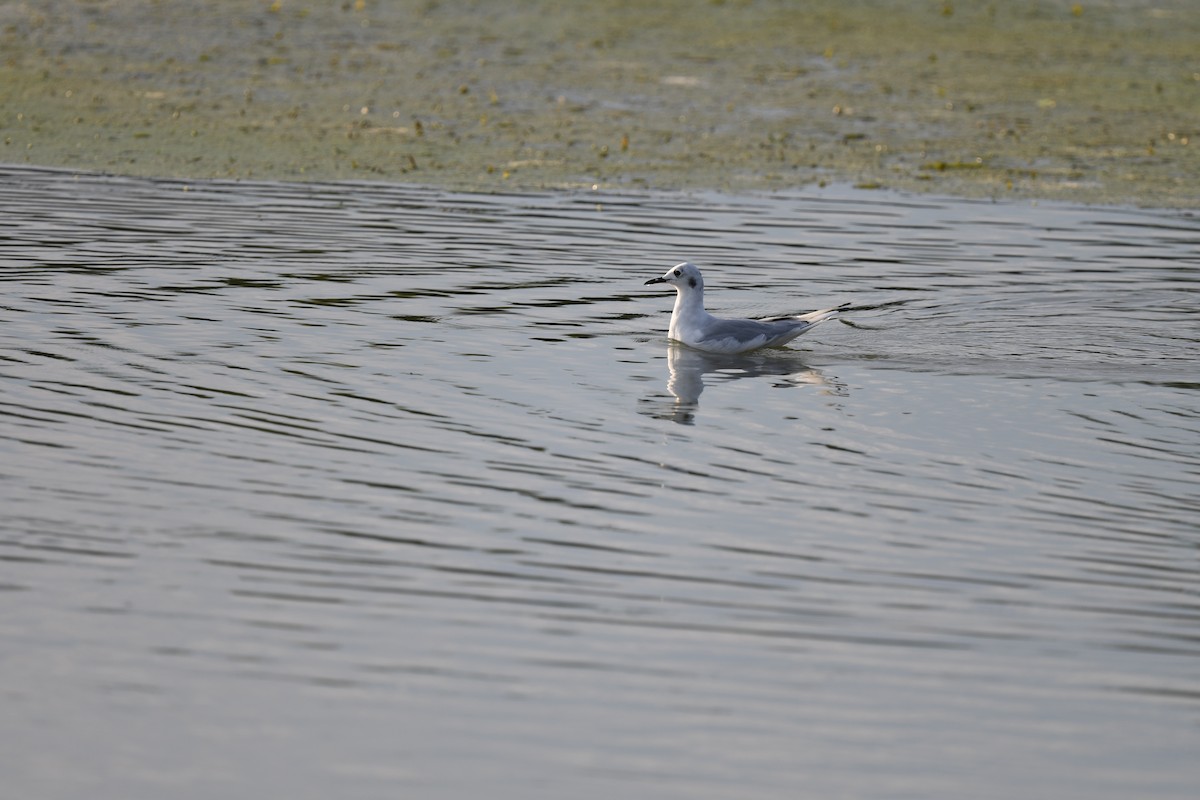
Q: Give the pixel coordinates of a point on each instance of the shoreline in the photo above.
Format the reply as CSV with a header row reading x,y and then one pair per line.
x,y
1084,103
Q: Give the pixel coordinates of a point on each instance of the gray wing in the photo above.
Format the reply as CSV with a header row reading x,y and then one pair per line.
x,y
742,335
739,335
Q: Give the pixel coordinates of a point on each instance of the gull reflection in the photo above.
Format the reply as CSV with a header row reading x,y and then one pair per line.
x,y
689,367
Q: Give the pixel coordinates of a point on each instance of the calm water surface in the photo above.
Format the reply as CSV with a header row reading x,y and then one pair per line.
x,y
370,491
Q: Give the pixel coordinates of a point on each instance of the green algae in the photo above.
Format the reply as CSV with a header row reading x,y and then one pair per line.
x,y
1092,102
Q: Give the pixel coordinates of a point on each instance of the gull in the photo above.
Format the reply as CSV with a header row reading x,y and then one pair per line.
x,y
695,327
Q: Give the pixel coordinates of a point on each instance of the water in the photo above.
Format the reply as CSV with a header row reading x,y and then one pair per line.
x,y
368,490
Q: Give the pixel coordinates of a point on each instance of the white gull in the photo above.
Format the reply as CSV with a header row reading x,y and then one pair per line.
x,y
695,327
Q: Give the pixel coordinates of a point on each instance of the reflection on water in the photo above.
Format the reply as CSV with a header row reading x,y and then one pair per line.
x,y
321,490
688,368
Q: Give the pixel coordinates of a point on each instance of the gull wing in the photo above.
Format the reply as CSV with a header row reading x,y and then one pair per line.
x,y
742,335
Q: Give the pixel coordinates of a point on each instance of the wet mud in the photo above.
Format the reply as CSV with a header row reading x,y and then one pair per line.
x,y
1089,102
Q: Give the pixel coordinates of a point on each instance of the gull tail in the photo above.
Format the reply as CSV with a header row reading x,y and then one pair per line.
x,y
813,317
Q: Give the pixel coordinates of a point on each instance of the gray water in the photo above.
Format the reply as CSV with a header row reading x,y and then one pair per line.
x,y
368,491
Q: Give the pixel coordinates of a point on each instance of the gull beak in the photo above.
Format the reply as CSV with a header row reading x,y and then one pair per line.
x,y
654,280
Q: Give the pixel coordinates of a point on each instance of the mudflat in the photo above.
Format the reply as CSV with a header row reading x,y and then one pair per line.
x,y
1092,102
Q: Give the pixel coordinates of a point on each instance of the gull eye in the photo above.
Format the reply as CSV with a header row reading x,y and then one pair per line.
x,y
677,273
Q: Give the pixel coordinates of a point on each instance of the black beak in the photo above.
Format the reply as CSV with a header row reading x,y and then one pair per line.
x,y
654,280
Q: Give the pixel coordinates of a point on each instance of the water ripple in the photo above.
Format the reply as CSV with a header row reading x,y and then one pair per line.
x,y
421,466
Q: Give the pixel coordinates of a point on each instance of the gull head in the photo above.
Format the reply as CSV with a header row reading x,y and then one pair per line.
x,y
683,277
